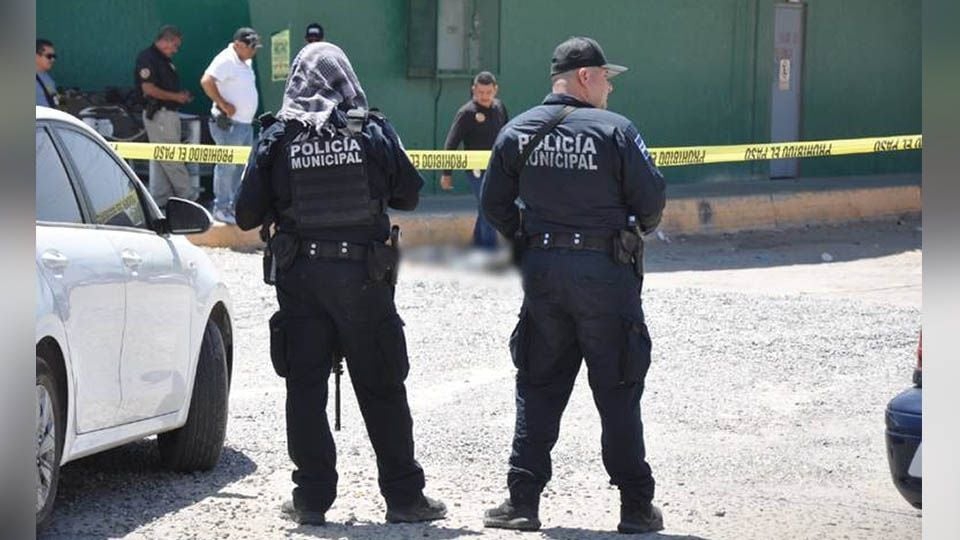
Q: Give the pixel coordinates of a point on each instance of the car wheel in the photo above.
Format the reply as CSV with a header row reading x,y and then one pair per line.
x,y
51,426
197,445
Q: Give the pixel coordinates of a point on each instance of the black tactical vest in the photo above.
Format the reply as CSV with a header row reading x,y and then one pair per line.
x,y
328,180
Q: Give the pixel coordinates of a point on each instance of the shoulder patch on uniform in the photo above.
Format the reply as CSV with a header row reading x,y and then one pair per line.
x,y
638,140
480,117
145,73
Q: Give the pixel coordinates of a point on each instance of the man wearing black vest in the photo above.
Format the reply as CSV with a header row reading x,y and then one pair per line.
x,y
585,189
323,174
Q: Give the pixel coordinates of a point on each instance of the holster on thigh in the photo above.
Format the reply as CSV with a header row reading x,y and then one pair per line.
x,y
300,347
635,355
380,359
519,341
278,344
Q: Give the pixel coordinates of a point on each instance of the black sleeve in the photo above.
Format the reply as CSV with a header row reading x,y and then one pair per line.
x,y
644,188
404,179
251,204
455,134
501,187
256,195
146,70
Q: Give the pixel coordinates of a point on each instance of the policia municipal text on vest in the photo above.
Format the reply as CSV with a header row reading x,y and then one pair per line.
x,y
330,190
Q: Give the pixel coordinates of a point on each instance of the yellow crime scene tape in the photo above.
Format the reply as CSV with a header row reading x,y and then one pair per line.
x,y
477,159
189,153
699,155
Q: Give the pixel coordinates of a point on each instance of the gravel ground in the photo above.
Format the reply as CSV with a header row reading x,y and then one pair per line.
x,y
763,411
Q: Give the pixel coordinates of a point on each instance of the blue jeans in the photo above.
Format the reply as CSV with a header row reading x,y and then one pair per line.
x,y
484,235
226,178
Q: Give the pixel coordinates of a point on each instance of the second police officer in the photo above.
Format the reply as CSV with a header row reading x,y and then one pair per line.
x,y
586,188
157,81
324,173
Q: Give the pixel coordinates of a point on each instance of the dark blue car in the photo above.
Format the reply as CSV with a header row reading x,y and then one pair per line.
x,y
904,435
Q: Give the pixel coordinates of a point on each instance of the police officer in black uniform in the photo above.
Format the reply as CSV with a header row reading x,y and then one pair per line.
x,y
587,190
323,174
157,82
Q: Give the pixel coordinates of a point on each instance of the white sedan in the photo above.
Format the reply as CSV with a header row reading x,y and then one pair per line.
x,y
133,331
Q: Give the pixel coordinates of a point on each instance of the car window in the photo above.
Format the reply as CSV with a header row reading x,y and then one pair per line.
x,y
56,200
113,195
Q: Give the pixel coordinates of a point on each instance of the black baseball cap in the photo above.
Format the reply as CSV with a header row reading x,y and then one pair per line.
x,y
578,52
314,32
248,36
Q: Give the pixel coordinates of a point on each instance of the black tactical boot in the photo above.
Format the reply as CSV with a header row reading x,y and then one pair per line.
x,y
303,517
508,516
634,521
425,509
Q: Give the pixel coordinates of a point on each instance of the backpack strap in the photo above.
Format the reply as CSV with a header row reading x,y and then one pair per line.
x,y
46,93
547,128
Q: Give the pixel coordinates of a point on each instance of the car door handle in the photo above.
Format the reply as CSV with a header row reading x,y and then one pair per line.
x,y
131,259
54,260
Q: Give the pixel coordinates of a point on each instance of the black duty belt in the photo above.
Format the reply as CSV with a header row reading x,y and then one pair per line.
x,y
326,249
573,241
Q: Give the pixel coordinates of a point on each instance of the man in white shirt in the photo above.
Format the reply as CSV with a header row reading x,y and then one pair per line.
x,y
229,81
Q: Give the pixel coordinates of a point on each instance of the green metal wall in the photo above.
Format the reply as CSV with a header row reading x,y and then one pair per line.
x,y
691,66
863,78
701,71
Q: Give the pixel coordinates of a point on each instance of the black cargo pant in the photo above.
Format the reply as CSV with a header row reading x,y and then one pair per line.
x,y
327,305
579,304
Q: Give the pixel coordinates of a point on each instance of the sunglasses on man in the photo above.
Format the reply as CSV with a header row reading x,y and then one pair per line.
x,y
50,56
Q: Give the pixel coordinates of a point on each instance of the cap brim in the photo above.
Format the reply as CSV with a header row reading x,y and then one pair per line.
x,y
614,69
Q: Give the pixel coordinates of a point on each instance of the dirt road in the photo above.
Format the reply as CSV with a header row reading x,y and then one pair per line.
x,y
763,410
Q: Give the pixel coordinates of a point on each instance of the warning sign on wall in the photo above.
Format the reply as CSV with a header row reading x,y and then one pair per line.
x,y
280,55
784,73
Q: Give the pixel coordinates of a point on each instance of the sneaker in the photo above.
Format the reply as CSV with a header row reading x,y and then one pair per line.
x,y
303,517
637,521
425,509
224,216
508,516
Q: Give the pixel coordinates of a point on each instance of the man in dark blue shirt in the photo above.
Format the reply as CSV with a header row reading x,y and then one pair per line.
x,y
324,174
566,180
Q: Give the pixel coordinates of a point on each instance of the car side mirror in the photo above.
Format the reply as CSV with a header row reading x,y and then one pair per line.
x,y
187,217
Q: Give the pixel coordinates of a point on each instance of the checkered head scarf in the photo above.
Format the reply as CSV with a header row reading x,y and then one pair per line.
x,y
321,78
